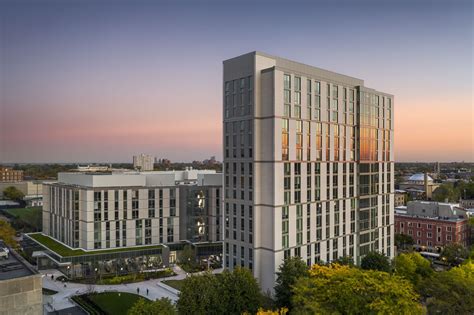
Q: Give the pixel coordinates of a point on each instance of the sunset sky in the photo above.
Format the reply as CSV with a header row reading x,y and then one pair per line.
x,y
91,81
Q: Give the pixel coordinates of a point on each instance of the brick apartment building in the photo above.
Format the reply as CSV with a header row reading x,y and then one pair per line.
x,y
10,175
433,225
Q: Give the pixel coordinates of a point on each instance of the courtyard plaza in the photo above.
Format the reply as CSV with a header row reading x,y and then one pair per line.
x,y
66,290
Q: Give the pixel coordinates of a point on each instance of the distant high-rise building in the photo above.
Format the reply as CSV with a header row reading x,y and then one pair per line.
x,y
143,162
308,165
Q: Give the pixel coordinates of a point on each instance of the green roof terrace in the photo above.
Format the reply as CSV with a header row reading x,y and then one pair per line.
x,y
65,251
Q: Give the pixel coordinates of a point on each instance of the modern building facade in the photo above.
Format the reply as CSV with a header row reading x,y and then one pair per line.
x,y
432,225
143,162
10,175
308,165
119,210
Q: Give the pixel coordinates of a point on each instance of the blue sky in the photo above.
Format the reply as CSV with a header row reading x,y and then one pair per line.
x,y
103,80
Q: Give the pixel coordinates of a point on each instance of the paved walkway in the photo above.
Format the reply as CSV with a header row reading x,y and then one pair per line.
x,y
61,300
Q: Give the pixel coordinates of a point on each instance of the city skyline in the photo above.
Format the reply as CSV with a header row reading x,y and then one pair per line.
x,y
96,81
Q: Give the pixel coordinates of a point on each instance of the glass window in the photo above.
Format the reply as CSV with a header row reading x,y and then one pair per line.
x,y
287,81
317,87
297,84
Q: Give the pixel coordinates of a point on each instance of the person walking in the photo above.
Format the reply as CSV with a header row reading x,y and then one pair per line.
x,y
138,290
146,291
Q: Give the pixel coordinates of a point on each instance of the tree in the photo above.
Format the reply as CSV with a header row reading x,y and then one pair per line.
x,y
281,311
445,192
413,267
375,261
344,260
162,306
13,193
199,295
233,292
450,292
7,234
454,253
187,259
288,272
471,230
336,289
241,290
403,240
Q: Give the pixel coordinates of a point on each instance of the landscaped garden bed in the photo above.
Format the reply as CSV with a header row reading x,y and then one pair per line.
x,y
175,284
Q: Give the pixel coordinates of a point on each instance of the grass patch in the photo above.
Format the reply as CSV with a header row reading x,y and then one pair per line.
x,y
114,303
31,217
176,284
192,268
86,305
65,251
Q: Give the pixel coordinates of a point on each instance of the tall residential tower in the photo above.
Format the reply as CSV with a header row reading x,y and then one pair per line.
x,y
308,165
143,162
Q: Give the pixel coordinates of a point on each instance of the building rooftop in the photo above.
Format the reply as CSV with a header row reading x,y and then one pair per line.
x,y
447,219
141,179
12,265
434,211
419,177
65,251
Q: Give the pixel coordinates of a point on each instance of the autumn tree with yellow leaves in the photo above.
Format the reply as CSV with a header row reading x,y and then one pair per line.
x,y
337,289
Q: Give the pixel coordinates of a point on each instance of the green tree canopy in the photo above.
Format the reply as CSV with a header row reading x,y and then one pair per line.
x,y
337,289
375,261
450,292
446,191
288,272
241,290
13,193
413,267
187,259
454,253
403,241
7,234
199,295
228,293
344,260
163,306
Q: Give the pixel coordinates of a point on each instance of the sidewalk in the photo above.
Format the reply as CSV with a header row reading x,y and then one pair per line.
x,y
61,300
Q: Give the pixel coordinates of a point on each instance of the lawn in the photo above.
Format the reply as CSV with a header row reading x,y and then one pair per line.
x,y
177,284
114,303
65,251
31,216
110,303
